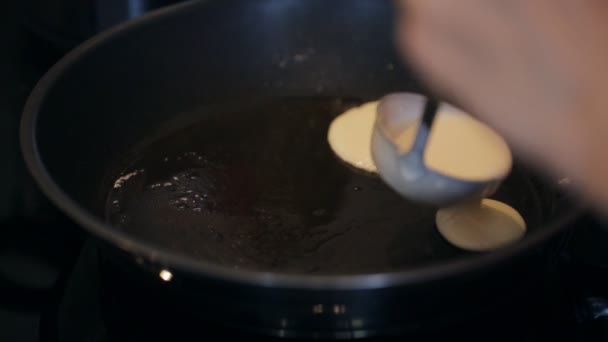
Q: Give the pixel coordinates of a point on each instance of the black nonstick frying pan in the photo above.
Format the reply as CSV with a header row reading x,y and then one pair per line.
x,y
192,144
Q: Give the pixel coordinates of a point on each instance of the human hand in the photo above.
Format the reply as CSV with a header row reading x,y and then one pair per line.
x,y
533,69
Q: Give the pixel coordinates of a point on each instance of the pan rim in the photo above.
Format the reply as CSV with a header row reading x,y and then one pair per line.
x,y
166,259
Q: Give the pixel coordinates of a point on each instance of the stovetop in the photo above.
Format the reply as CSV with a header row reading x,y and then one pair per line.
x,y
53,286
88,302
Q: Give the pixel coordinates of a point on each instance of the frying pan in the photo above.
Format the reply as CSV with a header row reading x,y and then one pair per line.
x,y
192,144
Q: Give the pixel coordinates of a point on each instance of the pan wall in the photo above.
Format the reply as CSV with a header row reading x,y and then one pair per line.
x,y
119,89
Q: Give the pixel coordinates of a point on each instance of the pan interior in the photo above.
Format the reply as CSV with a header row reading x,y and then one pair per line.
x,y
259,188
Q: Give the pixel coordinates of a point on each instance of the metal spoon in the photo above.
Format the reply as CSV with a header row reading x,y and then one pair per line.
x,y
406,172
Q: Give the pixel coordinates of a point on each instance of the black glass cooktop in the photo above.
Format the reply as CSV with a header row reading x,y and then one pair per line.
x,y
77,296
92,303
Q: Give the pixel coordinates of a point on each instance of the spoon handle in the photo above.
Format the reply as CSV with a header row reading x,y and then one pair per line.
x,y
428,116
430,110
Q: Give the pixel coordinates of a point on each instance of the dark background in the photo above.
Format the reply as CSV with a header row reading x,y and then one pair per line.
x,y
37,243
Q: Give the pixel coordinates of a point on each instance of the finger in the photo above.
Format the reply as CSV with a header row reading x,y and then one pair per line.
x,y
480,42
446,66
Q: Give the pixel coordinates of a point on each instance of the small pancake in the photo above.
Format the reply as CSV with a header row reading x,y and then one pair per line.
x,y
481,226
350,136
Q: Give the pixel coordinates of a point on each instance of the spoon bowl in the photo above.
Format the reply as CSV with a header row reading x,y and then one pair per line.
x,y
406,172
